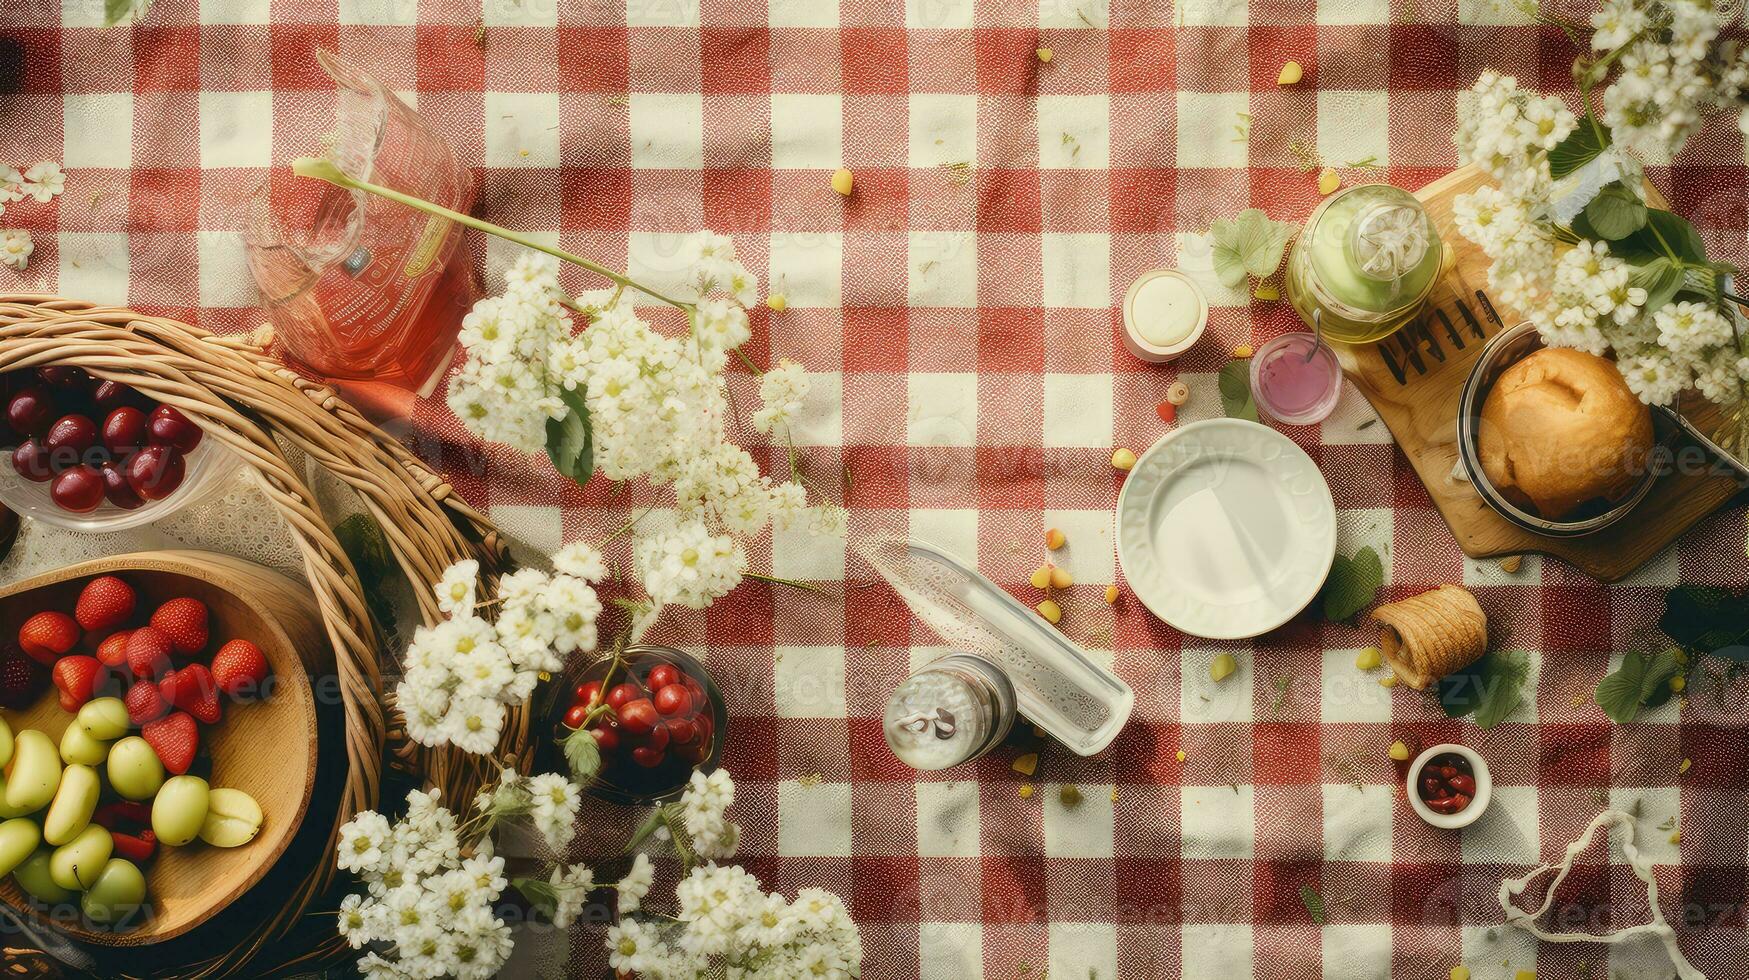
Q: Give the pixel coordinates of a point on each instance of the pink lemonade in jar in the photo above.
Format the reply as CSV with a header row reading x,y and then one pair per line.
x,y
361,289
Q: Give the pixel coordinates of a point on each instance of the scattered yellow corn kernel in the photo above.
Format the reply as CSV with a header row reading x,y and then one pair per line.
x,y
1682,656
1242,351
1026,791
1266,292
1123,459
1041,579
1180,755
1026,764
1460,973
522,152
1049,609
1328,181
1677,683
1070,794
1369,659
1111,595
1399,751
1389,680
1291,73
1054,539
1676,837
778,302
843,181
1222,667
1114,794
1526,975
1060,577
1045,55
1686,765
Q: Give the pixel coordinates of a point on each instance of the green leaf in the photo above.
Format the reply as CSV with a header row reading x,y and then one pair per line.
x,y
540,894
583,754
1659,277
1705,620
1314,904
362,538
1250,243
1579,148
1352,584
1616,212
116,11
1640,678
1235,384
570,440
1490,689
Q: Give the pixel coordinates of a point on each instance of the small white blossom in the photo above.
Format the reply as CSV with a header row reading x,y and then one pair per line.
x,y
455,592
636,884
44,181
15,248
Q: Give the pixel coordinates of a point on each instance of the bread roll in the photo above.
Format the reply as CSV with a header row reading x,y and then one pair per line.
x,y
1428,636
1561,429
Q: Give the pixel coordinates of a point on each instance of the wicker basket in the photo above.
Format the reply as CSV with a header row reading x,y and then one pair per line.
x,y
254,405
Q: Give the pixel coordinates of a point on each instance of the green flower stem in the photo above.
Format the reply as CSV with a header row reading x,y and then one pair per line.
x,y
643,833
748,361
792,583
322,168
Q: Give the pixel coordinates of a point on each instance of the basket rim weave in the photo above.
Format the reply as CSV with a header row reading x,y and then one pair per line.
x,y
249,401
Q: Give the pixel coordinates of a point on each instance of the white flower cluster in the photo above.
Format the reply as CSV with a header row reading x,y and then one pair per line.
x,y
504,392
549,800
728,926
782,391
426,910
42,183
1584,297
1670,71
658,408
703,807
462,674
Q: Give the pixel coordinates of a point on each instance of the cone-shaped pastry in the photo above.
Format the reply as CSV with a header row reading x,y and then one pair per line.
x,y
1431,635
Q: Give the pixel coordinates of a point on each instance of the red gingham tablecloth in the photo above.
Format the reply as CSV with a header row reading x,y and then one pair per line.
x,y
960,325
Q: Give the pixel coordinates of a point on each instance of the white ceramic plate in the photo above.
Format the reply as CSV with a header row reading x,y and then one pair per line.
x,y
1225,529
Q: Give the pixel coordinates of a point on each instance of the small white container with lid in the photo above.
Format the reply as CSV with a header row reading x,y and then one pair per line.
x,y
1164,313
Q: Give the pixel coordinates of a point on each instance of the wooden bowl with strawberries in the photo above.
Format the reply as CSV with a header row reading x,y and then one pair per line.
x,y
208,658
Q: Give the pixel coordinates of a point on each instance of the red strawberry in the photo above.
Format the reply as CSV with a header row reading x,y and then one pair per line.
x,y
105,603
48,635
175,737
21,678
145,703
76,677
192,689
184,622
148,653
239,668
113,651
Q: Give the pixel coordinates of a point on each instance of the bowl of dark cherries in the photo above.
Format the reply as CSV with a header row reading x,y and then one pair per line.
x,y
656,717
97,455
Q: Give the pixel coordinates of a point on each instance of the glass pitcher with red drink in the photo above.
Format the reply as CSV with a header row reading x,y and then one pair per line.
x,y
363,292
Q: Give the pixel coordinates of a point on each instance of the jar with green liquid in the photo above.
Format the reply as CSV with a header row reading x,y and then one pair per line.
x,y
1364,264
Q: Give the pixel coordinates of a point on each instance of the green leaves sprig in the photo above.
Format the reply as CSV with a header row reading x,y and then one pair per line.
x,y
1235,385
571,440
1249,244
1352,584
1490,689
1643,680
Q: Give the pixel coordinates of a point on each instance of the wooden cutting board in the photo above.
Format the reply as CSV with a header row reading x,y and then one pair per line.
x,y
1414,380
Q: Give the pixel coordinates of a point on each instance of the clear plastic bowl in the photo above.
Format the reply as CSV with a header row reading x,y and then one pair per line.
x,y
205,470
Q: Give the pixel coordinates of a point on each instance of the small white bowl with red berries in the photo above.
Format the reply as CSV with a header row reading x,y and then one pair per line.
x,y
1449,786
95,455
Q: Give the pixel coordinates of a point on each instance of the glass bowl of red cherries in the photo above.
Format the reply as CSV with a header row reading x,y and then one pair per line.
x,y
656,716
96,455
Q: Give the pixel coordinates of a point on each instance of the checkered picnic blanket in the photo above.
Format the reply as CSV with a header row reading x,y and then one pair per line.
x,y
958,317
